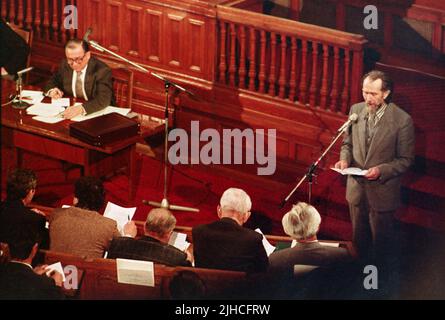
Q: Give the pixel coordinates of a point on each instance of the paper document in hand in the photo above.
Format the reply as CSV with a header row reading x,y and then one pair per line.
x,y
135,272
55,267
178,240
351,171
267,246
45,110
119,214
107,110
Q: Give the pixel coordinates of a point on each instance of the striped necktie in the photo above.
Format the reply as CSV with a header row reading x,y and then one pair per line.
x,y
79,86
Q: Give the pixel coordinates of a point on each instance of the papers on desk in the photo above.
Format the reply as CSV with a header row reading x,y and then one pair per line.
x,y
55,267
31,96
135,272
267,246
119,214
62,102
45,110
48,119
178,240
107,110
351,171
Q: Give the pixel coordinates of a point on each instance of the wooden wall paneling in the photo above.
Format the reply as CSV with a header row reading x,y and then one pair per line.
x,y
152,35
197,40
91,14
114,26
173,39
133,22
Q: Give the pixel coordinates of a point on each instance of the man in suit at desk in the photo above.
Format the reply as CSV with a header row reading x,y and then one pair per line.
x,y
81,76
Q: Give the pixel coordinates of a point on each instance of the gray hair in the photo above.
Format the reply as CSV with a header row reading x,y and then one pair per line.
x,y
235,200
160,221
302,221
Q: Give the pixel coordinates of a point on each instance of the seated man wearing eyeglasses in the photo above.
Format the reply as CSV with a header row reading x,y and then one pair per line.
x,y
81,76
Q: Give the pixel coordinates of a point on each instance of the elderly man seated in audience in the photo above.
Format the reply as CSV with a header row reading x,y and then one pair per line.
x,y
153,246
302,223
80,229
20,189
18,279
226,244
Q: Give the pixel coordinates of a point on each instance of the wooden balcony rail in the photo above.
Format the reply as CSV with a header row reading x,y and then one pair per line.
x,y
44,17
289,60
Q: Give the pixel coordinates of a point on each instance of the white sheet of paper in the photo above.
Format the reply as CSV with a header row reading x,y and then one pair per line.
x,y
45,110
135,272
48,119
267,246
62,102
120,214
57,267
178,240
351,171
107,110
32,97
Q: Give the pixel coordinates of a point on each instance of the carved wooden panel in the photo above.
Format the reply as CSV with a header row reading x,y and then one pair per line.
x,y
152,35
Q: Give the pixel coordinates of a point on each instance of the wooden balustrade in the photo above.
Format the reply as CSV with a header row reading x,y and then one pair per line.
x,y
44,17
323,60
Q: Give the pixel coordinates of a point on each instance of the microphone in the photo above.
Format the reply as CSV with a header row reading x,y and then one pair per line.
x,y
352,118
19,73
87,34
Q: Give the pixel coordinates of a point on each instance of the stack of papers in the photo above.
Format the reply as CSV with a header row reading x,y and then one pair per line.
x,y
31,96
107,110
119,214
178,240
267,246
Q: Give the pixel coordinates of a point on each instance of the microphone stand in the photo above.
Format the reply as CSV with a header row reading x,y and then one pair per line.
x,y
310,173
167,85
18,89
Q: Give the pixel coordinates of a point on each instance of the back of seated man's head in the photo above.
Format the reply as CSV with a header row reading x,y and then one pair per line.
x,y
22,242
159,224
20,183
89,193
302,221
236,204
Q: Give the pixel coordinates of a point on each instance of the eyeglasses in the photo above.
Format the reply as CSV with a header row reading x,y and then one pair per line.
x,y
76,60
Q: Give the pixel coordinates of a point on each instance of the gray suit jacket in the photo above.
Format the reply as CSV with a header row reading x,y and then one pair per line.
x,y
98,84
391,150
313,253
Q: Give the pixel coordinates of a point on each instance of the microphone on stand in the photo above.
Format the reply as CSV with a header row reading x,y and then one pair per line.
x,y
87,34
91,42
352,118
19,73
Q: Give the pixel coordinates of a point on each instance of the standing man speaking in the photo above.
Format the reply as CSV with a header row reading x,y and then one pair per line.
x,y
382,142
81,76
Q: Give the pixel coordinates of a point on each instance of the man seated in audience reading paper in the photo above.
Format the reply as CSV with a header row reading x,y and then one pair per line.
x,y
153,246
80,229
302,223
84,77
226,244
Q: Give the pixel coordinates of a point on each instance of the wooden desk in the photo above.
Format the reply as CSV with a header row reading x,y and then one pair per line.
x,y
21,132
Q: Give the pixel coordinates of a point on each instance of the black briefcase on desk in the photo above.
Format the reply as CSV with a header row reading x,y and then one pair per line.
x,y
104,129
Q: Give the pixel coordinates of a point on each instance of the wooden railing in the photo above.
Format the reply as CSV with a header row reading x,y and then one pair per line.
x,y
289,60
44,17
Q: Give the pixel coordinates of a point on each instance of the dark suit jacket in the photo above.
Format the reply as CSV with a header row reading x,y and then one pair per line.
x,y
98,84
312,253
225,244
148,249
13,215
391,149
19,281
81,232
14,52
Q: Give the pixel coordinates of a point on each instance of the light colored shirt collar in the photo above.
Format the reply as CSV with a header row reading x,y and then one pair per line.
x,y
26,264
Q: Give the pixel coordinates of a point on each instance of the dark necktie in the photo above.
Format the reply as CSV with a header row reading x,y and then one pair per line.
x,y
79,90
370,124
